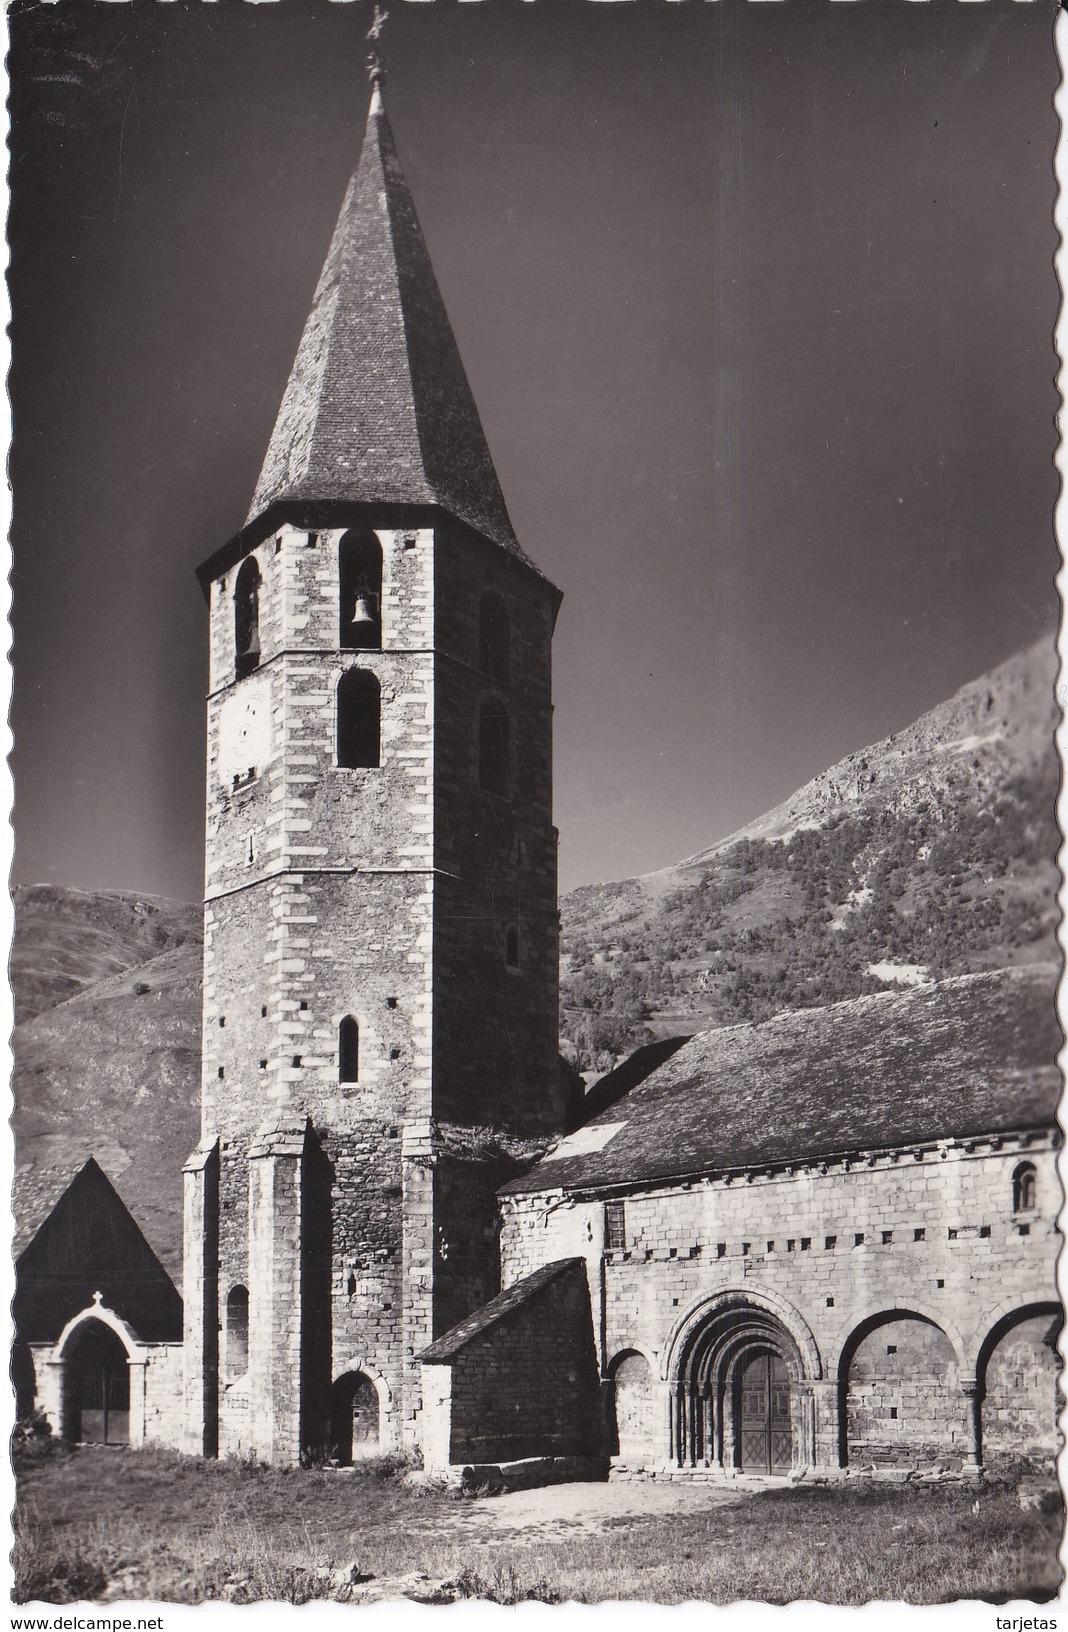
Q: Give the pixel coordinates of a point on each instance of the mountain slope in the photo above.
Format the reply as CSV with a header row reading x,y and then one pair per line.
x,y
113,1072
67,939
930,852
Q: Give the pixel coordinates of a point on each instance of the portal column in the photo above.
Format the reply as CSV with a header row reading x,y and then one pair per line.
x,y
201,1299
274,1260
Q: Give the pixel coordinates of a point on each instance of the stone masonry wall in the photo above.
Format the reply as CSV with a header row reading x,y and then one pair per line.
x,y
496,1028
833,1250
527,1386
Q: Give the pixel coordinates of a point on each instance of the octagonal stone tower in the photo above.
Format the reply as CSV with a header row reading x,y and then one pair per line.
x,y
380,963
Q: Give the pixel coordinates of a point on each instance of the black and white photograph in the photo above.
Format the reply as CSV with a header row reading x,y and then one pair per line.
x,y
534,712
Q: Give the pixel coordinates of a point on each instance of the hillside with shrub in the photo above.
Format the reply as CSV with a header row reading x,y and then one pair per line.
x,y
929,854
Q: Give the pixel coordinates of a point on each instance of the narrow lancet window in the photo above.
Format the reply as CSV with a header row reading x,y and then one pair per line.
x,y
348,1050
494,744
360,602
237,1331
359,720
494,638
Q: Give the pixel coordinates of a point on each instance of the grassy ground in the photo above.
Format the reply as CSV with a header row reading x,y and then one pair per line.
x,y
159,1526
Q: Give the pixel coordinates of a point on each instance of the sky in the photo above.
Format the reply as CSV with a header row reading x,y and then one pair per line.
x,y
756,301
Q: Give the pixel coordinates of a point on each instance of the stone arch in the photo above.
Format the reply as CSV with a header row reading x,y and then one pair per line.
x,y
873,1313
738,1367
360,590
98,1310
247,650
360,1425
358,720
95,1352
902,1401
773,1303
1016,1370
636,1420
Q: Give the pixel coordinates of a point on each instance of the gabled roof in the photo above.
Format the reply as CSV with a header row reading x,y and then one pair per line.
x,y
378,409
970,1056
89,1242
505,1304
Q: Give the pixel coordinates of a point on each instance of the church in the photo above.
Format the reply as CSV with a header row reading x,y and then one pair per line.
x,y
821,1244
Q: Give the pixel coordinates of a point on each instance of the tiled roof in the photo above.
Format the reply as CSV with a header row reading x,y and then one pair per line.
x,y
378,408
498,1308
968,1056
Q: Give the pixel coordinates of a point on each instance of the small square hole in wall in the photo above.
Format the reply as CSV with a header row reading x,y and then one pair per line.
x,y
391,1002
891,1348
984,1232
919,1235
1023,1229
830,1303
278,546
312,541
409,542
771,1246
297,1059
791,1244
674,1303
745,1249
222,1072
806,1242
721,1249
888,1236
303,1004
263,1065
940,1284
222,1019
263,1010
830,1242
858,1239
893,1413
952,1234
394,1053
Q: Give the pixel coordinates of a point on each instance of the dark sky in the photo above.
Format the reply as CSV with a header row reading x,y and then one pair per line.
x,y
756,301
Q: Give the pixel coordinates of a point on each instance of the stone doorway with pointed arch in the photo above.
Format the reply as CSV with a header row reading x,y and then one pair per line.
x,y
739,1395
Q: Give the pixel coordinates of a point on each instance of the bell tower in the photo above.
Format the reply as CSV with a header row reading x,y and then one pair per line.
x,y
380,958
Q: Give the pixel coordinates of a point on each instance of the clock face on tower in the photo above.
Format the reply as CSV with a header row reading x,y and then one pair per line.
x,y
244,731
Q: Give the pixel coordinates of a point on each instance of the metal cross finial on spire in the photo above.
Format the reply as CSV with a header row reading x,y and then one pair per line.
x,y
375,71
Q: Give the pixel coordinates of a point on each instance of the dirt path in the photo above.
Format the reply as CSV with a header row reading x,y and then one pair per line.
x,y
557,1511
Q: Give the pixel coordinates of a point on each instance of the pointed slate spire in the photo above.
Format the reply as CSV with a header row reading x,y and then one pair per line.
x,y
378,408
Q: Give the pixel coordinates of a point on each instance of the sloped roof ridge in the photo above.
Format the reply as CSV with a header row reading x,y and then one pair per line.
x,y
499,1308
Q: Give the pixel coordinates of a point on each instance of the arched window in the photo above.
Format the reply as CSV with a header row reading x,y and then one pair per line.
x,y
360,601
247,619
494,742
494,638
1024,1184
237,1331
511,947
359,719
348,1050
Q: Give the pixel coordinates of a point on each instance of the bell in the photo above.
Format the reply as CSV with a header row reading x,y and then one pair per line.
x,y
251,654
363,619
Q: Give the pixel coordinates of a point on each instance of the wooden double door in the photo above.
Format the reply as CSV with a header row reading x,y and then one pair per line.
x,y
765,1437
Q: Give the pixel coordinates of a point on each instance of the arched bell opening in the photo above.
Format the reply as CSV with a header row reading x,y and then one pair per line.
x,y
738,1404
355,1419
360,587
96,1387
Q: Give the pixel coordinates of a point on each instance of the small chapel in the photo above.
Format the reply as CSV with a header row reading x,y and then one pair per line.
x,y
822,1244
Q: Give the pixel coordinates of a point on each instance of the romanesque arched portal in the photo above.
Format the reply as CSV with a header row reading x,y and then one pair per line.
x,y
738,1394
